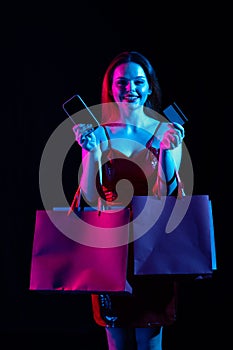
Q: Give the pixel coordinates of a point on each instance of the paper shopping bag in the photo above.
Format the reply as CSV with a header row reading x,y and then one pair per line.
x,y
83,253
173,236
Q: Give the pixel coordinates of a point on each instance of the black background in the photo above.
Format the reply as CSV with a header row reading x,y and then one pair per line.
x,y
50,52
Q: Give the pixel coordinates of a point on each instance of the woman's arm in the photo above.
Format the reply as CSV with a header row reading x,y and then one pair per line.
x,y
90,141
169,160
91,164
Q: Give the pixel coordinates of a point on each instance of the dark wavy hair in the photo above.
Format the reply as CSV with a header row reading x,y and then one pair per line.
x,y
153,101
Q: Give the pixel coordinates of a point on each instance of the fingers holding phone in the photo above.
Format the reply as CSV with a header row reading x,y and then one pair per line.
x,y
85,136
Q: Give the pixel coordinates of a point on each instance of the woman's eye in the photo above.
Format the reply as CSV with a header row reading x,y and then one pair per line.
x,y
121,83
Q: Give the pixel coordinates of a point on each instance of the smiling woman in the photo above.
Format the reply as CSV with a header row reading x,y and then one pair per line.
x,y
130,85
132,143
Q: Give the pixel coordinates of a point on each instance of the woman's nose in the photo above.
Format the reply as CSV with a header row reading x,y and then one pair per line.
x,y
131,86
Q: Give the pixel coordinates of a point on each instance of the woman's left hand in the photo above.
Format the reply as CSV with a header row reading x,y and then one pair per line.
x,y
173,137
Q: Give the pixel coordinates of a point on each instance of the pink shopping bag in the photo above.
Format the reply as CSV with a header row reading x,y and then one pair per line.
x,y
84,253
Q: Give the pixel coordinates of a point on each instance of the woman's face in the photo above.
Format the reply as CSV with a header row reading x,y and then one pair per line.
x,y
130,85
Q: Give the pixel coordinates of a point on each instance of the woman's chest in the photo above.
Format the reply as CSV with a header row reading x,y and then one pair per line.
x,y
129,141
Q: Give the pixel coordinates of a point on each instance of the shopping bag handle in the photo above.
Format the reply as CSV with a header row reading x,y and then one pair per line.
x,y
180,190
76,201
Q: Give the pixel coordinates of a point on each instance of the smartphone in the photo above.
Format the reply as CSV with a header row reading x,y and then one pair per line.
x,y
174,114
76,104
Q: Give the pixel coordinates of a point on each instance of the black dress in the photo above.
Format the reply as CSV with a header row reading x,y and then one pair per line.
x,y
152,304
153,299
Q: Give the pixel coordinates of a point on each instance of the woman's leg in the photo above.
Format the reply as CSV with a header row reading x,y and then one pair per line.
x,y
121,338
149,338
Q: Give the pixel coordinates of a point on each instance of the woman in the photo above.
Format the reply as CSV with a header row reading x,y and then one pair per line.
x,y
133,142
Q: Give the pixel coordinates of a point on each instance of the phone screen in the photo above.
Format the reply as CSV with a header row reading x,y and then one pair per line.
x,y
77,109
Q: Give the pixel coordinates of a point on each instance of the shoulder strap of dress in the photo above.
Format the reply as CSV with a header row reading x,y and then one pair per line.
x,y
157,128
149,143
109,155
106,132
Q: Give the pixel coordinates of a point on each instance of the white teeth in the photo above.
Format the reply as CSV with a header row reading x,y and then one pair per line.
x,y
131,99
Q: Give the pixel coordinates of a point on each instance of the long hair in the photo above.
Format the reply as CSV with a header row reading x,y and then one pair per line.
x,y
153,101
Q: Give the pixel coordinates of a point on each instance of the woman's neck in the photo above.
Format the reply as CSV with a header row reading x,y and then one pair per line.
x,y
133,117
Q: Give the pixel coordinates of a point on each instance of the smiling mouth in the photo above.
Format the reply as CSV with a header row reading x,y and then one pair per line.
x,y
131,99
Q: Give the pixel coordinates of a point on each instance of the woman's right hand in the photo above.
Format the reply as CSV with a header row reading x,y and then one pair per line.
x,y
85,136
